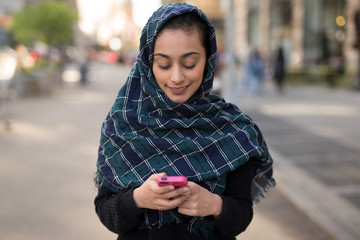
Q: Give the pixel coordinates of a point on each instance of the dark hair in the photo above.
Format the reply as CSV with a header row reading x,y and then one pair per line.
x,y
190,22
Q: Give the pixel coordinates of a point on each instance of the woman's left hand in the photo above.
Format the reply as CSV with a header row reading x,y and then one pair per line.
x,y
201,202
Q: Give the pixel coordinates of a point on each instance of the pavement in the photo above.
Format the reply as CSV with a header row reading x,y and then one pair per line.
x,y
47,162
313,134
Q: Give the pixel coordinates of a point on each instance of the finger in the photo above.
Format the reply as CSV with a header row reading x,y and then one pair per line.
x,y
164,189
183,191
154,185
155,176
187,211
193,185
187,204
171,203
174,192
164,204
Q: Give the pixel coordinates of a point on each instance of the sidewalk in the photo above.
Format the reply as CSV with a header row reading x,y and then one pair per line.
x,y
47,163
313,135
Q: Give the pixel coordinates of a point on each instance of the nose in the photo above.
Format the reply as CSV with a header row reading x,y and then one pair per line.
x,y
177,75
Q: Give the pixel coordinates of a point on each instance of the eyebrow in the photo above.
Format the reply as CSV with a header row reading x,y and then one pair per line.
x,y
182,56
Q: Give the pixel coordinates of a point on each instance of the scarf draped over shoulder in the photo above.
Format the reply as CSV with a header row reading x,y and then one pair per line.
x,y
204,139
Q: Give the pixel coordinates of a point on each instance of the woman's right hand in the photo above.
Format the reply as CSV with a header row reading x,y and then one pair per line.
x,y
151,196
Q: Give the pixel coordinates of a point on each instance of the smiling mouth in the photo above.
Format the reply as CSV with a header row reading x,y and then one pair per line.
x,y
178,90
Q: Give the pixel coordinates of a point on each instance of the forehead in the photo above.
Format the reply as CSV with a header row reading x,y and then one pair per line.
x,y
178,40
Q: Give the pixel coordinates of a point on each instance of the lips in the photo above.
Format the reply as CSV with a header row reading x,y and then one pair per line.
x,y
178,90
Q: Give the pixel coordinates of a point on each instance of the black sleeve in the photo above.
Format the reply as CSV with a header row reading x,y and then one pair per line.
x,y
237,208
118,211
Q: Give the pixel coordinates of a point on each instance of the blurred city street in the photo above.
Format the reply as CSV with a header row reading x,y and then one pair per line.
x,y
56,88
48,161
313,135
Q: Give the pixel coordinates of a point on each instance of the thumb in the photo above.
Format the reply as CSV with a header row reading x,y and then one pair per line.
x,y
155,176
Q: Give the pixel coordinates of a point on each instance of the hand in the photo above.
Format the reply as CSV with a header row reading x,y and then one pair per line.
x,y
150,195
201,202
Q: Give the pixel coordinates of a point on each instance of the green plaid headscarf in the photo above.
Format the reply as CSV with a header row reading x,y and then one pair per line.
x,y
203,139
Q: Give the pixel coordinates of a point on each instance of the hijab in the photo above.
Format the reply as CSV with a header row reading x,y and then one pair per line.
x,y
203,139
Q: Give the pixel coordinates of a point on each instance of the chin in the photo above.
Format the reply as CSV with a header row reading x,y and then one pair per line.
x,y
179,100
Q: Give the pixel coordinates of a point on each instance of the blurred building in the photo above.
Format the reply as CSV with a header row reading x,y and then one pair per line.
x,y
99,21
320,32
6,9
214,10
311,32
103,22
7,6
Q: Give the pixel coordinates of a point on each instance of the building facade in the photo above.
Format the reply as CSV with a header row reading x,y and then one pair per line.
x,y
101,22
214,10
311,32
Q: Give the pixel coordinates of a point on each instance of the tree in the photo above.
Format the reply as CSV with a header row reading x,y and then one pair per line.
x,y
51,22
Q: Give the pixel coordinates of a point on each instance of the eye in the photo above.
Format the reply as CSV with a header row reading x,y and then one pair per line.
x,y
164,67
189,66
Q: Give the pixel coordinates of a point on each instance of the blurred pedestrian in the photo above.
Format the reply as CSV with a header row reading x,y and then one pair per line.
x,y
279,69
84,68
257,66
256,72
166,122
8,64
245,80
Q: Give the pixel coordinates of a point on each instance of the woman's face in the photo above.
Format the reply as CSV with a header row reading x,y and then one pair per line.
x,y
179,63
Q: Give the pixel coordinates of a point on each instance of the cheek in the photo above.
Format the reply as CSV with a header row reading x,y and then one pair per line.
x,y
158,75
197,78
198,75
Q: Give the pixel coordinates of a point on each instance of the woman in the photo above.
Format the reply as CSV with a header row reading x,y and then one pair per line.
x,y
165,122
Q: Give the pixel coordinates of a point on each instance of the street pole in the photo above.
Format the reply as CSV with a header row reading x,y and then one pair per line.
x,y
357,87
229,81
357,45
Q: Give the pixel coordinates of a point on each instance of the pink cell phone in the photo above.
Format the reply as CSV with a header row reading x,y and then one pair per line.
x,y
176,181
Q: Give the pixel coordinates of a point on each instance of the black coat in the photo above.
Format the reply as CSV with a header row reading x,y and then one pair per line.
x,y
119,213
